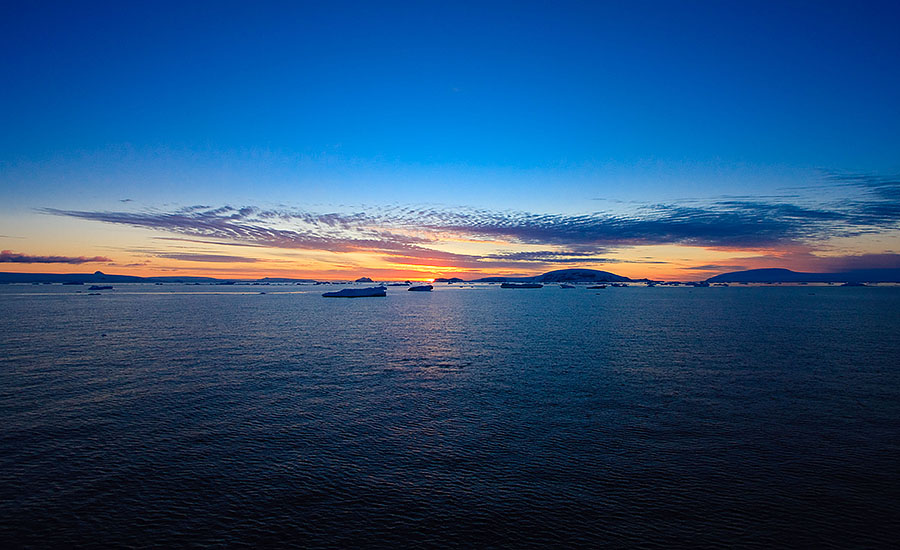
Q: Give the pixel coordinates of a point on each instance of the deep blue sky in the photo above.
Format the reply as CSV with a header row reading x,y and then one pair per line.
x,y
536,106
484,84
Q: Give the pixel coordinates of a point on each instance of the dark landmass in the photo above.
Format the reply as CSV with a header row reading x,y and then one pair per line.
x,y
498,280
563,276
284,280
100,277
587,275
558,276
788,276
96,277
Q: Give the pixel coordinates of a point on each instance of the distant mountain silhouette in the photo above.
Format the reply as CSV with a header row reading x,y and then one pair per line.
x,y
561,276
587,275
558,276
99,277
788,276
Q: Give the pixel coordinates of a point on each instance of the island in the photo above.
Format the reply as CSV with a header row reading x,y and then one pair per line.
x,y
777,275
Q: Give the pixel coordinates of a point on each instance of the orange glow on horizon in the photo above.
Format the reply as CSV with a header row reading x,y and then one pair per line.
x,y
659,262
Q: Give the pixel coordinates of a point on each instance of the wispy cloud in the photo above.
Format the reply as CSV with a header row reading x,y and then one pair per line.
x,y
886,188
201,241
552,256
559,257
8,256
723,224
251,225
860,261
208,258
408,234
716,267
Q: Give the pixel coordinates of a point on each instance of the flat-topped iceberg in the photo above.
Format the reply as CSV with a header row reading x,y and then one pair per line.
x,y
357,293
421,288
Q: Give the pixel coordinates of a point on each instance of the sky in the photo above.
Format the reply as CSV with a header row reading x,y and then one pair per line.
x,y
413,140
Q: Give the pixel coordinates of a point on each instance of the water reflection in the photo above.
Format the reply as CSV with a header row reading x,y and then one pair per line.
x,y
452,417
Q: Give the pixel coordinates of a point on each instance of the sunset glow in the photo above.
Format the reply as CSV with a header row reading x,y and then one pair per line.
x,y
431,161
442,275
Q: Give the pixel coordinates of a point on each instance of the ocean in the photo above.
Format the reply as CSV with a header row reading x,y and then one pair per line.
x,y
172,415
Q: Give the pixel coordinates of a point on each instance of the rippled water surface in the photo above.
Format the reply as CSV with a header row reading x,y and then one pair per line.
x,y
183,415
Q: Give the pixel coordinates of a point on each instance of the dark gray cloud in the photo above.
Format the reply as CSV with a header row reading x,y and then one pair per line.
x,y
861,261
736,224
560,257
207,258
716,267
886,188
8,256
339,233
726,224
404,234
551,256
201,241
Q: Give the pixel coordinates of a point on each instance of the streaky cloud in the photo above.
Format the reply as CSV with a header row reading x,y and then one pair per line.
x,y
886,188
715,267
208,258
562,257
201,241
8,256
861,261
408,234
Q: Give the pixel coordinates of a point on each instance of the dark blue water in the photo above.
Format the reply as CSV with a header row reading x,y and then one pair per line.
x,y
652,417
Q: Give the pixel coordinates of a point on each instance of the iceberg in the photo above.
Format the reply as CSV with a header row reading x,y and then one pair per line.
x,y
357,293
